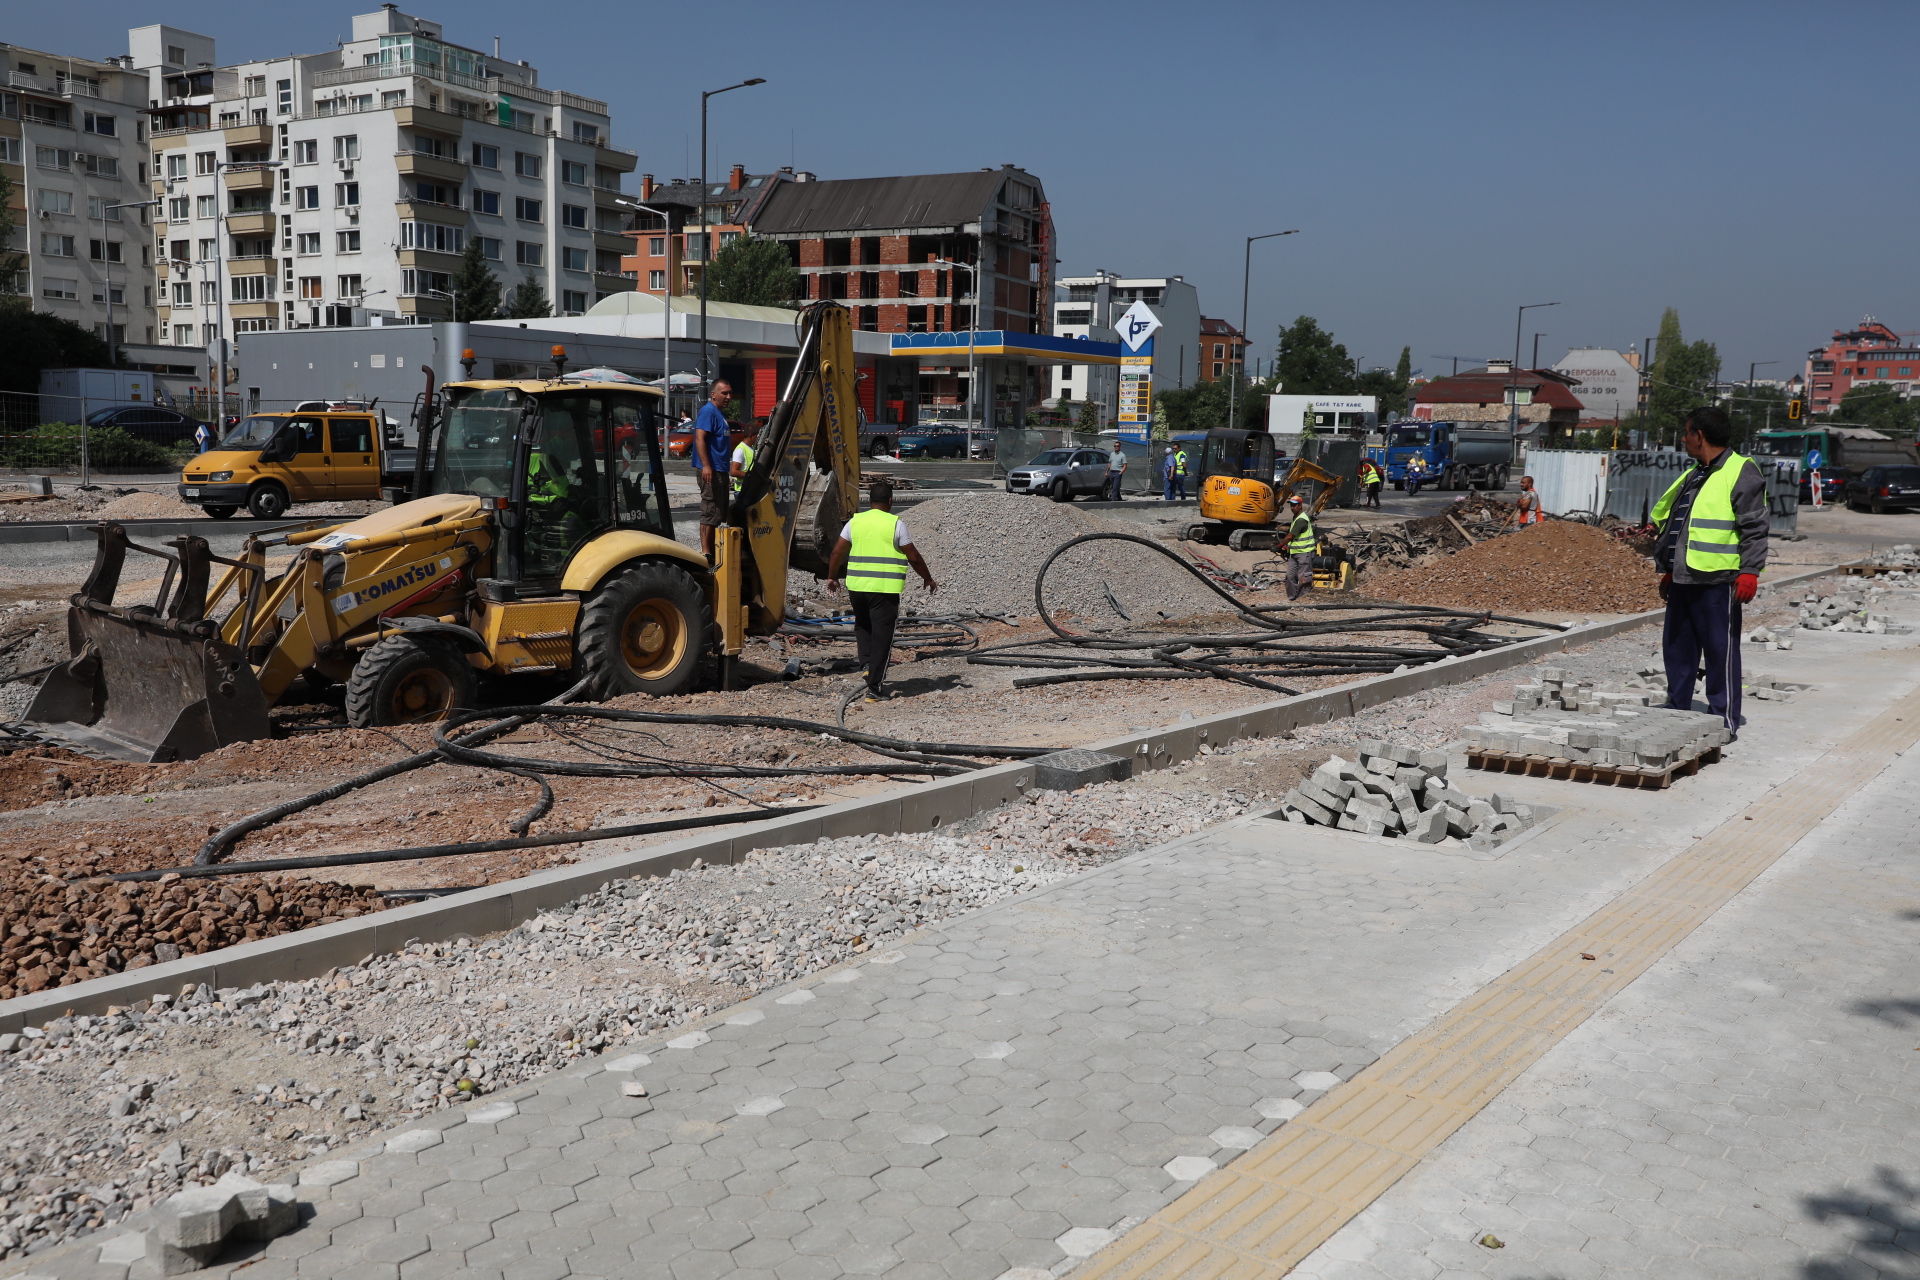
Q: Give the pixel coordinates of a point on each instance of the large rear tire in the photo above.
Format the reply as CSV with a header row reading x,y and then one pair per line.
x,y
404,680
645,631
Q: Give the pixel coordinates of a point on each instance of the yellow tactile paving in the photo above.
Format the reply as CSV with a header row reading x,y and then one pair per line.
x,y
1266,1211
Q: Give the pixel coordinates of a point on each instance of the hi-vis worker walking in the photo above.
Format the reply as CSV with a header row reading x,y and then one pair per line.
x,y
1302,541
1711,551
876,549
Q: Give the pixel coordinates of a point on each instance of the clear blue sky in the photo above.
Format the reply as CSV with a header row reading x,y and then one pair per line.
x,y
1444,162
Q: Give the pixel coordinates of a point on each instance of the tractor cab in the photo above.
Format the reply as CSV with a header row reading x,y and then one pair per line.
x,y
1237,492
1237,455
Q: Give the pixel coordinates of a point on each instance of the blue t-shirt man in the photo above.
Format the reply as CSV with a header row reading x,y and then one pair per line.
x,y
719,446
717,462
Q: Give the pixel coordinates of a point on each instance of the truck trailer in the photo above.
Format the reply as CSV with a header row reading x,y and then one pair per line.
x,y
1455,454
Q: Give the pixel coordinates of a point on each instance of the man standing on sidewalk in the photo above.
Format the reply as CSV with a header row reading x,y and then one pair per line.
x,y
1116,470
1303,541
875,549
712,453
1711,551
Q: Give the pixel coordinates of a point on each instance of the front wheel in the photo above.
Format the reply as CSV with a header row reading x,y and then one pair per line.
x,y
220,513
268,502
408,680
1060,492
644,631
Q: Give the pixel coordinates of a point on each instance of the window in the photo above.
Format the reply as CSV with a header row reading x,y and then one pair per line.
x,y
52,201
346,195
252,288
435,193
101,166
572,171
1216,368
525,252
182,250
606,263
60,290
573,215
1219,350
105,126
487,202
309,242
183,335
349,287
209,250
694,241
183,293
347,147
428,146
485,157
206,206
1906,371
351,435
573,259
657,246
176,55
255,326
525,165
490,248
432,236
391,98
573,301
284,89
229,118
424,284
209,292
657,280
255,87
526,210
97,208
306,151
1880,372
310,287
306,197
249,202
909,284
177,164
53,158
206,162
56,246
584,132
104,250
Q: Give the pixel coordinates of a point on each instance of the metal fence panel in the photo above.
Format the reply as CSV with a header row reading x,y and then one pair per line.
x,y
1568,479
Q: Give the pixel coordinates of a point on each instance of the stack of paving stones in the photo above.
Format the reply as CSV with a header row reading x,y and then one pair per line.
x,y
1402,792
1851,608
1564,717
191,1228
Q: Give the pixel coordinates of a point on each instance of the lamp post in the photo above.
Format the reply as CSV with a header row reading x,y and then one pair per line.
x,y
666,298
106,270
706,237
1751,366
1513,370
973,326
1246,281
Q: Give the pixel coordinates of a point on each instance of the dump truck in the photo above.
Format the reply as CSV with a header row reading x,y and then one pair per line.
x,y
538,539
1456,454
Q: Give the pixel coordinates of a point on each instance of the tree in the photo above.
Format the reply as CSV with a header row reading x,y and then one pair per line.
x,y
1201,407
528,301
1878,406
1311,363
1682,378
12,263
759,273
476,290
1088,423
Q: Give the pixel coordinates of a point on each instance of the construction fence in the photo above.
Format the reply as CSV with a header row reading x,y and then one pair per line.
x,y
1625,483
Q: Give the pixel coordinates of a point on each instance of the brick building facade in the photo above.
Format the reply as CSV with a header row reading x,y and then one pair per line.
x,y
1869,353
1223,348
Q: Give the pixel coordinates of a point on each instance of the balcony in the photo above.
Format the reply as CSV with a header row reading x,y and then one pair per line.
x,y
398,70
413,209
250,224
252,178
249,135
617,158
419,164
615,281
613,242
417,117
429,260
250,266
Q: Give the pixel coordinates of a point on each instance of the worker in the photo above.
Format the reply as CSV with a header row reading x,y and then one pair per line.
x,y
1710,549
1177,473
1416,472
1302,542
1528,502
875,549
1116,471
1371,479
546,477
710,458
743,454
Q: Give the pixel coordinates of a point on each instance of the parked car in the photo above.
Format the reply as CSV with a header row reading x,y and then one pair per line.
x,y
147,422
1882,489
1831,484
934,442
680,441
1062,474
980,444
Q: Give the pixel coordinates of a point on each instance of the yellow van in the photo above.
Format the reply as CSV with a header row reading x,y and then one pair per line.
x,y
271,461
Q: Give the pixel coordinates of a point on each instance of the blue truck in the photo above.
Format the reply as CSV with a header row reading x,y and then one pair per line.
x,y
1455,454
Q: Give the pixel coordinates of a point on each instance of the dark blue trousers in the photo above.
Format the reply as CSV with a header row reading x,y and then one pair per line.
x,y
1703,630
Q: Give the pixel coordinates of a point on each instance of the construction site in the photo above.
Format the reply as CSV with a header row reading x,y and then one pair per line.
x,y
361,965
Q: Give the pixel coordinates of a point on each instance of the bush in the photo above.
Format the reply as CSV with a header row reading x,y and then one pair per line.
x,y
57,444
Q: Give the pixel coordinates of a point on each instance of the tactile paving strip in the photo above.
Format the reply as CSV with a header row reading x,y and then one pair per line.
x,y
1269,1209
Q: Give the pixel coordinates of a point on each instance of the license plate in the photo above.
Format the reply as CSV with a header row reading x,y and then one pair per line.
x,y
191,493
1234,489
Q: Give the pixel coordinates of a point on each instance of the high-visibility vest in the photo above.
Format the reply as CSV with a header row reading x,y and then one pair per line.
x,y
873,562
1180,463
1713,536
1368,472
1301,537
746,464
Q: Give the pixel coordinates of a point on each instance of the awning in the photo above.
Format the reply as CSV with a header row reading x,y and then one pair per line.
x,y
1035,348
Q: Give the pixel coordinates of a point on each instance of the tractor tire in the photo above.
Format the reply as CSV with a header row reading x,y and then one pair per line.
x,y
1060,492
268,502
644,631
220,513
403,680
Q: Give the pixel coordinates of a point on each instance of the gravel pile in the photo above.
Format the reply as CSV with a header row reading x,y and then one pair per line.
x,y
107,1115
1558,566
985,550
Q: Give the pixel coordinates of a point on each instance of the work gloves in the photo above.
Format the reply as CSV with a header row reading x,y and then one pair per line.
x,y
1666,586
1745,587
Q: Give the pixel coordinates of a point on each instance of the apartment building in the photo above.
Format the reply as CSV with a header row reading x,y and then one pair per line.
x,y
1097,302
671,245
73,140
326,189
1869,353
1222,349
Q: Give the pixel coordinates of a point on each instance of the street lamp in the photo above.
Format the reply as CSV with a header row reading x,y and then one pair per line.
x,y
106,270
1751,366
972,326
1513,370
1246,279
666,297
706,237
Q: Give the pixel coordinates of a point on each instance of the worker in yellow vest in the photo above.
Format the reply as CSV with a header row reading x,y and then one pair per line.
x,y
1711,550
1303,540
876,551
742,459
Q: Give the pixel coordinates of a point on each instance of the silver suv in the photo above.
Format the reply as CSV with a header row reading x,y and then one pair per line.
x,y
1063,475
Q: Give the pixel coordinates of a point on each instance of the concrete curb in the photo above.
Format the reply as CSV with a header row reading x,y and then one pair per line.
x,y
30,531
927,807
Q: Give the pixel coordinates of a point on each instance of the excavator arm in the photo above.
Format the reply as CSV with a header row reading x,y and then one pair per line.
x,y
1314,483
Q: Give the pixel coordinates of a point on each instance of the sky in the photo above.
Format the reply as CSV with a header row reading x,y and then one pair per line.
x,y
1443,163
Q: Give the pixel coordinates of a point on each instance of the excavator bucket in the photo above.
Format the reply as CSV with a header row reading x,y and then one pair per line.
x,y
149,683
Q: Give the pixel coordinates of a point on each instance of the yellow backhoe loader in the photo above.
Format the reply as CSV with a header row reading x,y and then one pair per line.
x,y
538,538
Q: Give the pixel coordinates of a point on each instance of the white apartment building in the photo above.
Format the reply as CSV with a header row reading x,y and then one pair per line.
x,y
324,189
73,140
1096,302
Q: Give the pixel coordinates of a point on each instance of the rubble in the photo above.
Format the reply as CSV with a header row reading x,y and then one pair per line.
x,y
1851,608
1399,791
1558,566
1562,716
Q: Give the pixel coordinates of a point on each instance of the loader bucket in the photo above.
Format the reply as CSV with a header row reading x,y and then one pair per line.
x,y
148,683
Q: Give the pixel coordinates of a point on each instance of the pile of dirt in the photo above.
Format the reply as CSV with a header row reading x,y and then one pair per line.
x,y
54,934
1559,566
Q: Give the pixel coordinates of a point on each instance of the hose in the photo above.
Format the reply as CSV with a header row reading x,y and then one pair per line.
x,y
262,866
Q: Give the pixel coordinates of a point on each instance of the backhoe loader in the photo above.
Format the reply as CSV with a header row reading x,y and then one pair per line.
x,y
538,539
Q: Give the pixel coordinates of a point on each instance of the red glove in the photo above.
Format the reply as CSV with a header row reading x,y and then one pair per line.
x,y
1745,588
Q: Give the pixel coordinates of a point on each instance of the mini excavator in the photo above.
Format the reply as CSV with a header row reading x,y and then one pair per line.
x,y
1240,500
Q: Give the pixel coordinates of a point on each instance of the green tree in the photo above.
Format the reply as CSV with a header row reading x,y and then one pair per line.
x,y
1088,423
1161,429
476,289
759,273
31,341
528,301
1310,363
1878,406
1682,378
12,263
